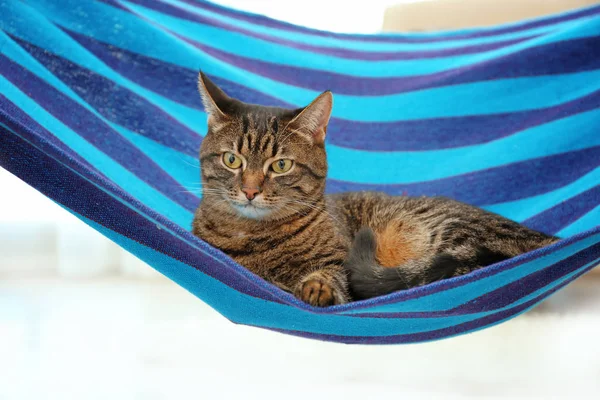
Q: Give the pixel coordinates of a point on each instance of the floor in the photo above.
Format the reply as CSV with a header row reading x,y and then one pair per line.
x,y
122,339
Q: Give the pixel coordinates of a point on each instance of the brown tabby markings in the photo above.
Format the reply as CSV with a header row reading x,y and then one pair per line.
x,y
283,228
294,244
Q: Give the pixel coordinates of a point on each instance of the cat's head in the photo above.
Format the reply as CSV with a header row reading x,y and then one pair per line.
x,y
262,162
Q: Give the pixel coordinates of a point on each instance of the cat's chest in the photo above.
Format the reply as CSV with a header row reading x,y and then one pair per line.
x,y
229,241
236,240
275,251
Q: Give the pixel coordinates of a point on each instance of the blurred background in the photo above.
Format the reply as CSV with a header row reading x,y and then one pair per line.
x,y
80,318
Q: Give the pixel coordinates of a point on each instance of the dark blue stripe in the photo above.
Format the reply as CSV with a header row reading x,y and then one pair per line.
x,y
564,214
505,295
395,38
495,185
484,192
423,134
437,334
514,291
182,82
443,133
118,104
330,51
95,131
58,181
483,273
576,55
21,119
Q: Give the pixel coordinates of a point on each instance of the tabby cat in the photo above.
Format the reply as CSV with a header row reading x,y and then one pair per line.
x,y
263,204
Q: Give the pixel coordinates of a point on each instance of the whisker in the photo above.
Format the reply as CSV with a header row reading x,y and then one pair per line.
x,y
197,166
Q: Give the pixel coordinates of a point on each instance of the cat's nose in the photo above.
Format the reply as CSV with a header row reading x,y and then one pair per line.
x,y
250,192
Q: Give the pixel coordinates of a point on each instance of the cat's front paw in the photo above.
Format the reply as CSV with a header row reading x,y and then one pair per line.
x,y
316,293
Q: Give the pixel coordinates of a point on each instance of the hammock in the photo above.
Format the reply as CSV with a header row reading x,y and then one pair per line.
x,y
99,112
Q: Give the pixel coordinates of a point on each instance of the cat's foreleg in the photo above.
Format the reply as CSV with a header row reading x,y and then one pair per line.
x,y
324,287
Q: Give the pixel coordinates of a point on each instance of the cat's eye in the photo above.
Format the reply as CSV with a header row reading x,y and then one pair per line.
x,y
231,160
281,166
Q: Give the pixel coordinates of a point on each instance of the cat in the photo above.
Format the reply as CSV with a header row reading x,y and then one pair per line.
x,y
263,172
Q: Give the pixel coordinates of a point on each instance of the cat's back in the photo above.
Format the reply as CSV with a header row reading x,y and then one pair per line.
x,y
366,207
357,209
434,217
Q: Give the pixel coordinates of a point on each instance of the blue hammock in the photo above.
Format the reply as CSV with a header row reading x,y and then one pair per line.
x,y
99,112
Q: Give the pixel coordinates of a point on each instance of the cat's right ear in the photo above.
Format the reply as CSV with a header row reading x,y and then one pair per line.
x,y
215,100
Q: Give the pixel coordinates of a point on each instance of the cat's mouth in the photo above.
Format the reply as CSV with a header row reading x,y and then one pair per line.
x,y
251,210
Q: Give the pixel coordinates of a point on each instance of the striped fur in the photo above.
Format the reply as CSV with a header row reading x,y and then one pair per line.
x,y
404,242
284,234
293,236
99,111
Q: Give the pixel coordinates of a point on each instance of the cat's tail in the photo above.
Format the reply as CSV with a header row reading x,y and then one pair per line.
x,y
369,279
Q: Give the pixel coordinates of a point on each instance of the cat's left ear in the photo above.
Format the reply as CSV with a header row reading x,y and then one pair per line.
x,y
313,119
215,101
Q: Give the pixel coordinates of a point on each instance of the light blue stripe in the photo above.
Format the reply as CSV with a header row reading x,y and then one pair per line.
x,y
454,297
246,309
532,143
542,290
520,210
177,164
186,170
160,45
480,98
183,168
113,170
483,97
108,192
409,167
36,29
306,38
390,168
584,223
535,92
432,34
17,54
246,46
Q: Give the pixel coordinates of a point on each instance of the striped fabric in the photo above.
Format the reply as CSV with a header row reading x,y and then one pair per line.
x,y
99,112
